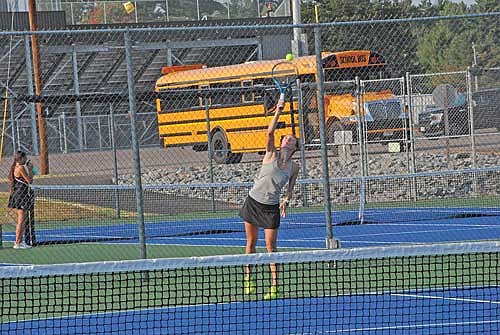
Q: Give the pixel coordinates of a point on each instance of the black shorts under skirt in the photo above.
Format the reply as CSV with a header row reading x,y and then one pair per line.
x,y
261,215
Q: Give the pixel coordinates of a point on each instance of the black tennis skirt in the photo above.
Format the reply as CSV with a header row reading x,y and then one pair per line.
x,y
262,215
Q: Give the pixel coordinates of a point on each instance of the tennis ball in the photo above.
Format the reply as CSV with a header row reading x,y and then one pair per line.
x,y
289,57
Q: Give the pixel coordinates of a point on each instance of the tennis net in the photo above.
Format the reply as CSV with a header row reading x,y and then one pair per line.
x,y
426,289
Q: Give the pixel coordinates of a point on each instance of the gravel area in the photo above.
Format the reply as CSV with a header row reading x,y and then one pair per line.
x,y
456,186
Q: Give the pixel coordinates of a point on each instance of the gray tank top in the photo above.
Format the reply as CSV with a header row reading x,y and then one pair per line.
x,y
269,183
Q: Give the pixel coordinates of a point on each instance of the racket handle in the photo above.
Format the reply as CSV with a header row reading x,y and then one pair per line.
x,y
282,96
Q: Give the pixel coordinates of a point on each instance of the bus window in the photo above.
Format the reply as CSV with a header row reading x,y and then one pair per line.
x,y
258,95
225,97
187,100
247,96
394,109
308,78
202,99
265,83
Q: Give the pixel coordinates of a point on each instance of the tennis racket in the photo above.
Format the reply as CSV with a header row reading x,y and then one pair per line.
x,y
284,75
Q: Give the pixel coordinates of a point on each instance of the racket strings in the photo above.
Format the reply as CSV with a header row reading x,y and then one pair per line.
x,y
285,73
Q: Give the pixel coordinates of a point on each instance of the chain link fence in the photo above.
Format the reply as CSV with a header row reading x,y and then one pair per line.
x,y
175,128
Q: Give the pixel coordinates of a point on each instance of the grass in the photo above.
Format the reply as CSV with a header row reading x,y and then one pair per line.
x,y
63,213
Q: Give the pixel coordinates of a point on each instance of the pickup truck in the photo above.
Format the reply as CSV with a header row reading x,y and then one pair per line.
x,y
486,107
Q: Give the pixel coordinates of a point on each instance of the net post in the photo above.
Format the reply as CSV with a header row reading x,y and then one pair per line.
x,y
332,243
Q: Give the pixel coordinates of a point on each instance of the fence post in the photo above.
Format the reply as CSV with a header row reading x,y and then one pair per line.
x,y
362,152
166,11
115,159
331,242
206,100
470,105
409,100
63,136
72,13
76,87
13,126
135,12
135,144
303,161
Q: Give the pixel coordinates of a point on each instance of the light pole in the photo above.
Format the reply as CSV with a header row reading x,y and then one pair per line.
x,y
297,32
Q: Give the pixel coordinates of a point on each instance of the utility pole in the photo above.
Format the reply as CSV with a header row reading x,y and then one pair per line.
x,y
44,157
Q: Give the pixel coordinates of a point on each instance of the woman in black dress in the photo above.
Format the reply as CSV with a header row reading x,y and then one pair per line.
x,y
22,199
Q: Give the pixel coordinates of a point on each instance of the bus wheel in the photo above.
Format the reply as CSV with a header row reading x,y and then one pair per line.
x,y
221,150
332,127
234,158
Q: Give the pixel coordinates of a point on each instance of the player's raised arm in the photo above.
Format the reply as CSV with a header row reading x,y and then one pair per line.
x,y
284,75
272,126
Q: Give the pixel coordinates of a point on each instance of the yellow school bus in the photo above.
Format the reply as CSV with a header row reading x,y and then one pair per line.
x,y
232,103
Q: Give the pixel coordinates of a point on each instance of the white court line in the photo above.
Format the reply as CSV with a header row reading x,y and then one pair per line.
x,y
402,327
419,232
447,298
423,224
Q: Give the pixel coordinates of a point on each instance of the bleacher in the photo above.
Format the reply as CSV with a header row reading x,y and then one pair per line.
x,y
101,63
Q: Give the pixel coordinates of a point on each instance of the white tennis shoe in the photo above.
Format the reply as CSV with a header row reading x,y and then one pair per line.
x,y
21,245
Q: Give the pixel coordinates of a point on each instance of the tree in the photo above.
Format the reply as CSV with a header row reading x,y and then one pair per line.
x,y
243,8
395,41
445,45
487,34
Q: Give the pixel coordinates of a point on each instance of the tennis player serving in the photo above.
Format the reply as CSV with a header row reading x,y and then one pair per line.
x,y
262,207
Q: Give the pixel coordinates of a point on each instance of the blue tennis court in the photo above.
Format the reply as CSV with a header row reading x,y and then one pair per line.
x,y
471,311
381,226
